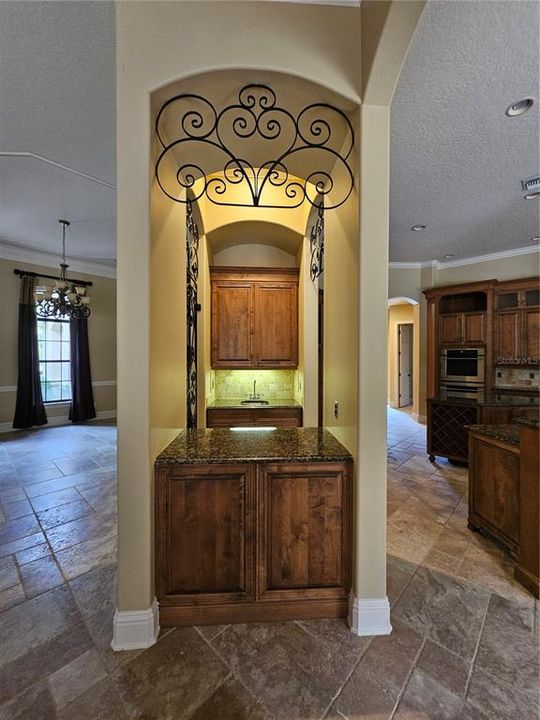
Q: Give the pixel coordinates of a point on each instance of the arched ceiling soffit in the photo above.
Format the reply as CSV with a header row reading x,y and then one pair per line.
x,y
261,129
253,232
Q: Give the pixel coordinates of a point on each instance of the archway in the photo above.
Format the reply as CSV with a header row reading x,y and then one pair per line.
x,y
403,362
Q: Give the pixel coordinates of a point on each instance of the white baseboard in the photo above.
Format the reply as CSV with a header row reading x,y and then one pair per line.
x,y
60,420
369,616
135,629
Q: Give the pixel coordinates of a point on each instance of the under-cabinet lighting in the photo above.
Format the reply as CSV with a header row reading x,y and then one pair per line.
x,y
252,429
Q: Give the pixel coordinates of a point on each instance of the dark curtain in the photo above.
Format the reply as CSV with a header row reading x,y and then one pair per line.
x,y
29,409
82,398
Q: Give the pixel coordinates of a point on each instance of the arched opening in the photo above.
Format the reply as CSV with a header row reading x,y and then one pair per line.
x,y
403,365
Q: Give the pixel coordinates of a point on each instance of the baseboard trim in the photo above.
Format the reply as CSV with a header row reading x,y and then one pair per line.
x,y
369,616
60,420
135,629
419,418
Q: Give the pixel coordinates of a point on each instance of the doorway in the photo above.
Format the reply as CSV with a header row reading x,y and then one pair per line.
x,y
405,364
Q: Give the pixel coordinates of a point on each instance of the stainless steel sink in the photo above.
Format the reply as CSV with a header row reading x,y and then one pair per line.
x,y
254,402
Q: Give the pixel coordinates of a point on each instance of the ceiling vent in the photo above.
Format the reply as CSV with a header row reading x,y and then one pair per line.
x,y
531,184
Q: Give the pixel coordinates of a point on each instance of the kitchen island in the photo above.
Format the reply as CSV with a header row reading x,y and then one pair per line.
x,y
252,525
504,497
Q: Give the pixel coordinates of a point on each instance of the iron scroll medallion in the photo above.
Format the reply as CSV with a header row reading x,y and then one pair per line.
x,y
296,157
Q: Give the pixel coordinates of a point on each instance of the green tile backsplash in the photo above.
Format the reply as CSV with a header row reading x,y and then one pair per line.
x,y
271,384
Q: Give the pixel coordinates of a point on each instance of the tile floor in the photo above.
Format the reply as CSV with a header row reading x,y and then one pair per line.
x,y
463,645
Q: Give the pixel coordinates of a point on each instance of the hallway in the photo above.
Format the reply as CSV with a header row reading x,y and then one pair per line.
x,y
463,644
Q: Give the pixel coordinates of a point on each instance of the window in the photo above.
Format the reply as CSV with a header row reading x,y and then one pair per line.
x,y
54,359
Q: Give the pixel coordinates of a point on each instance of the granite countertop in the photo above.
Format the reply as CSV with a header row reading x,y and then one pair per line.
x,y
237,403
222,445
508,434
493,398
529,422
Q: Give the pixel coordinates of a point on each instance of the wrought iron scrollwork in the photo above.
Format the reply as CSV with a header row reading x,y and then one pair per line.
x,y
296,157
192,306
316,245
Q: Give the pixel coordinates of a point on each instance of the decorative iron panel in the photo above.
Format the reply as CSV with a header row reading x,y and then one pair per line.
x,y
192,308
211,153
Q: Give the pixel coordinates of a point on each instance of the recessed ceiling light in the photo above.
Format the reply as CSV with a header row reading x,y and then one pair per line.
x,y
530,196
520,107
418,228
450,255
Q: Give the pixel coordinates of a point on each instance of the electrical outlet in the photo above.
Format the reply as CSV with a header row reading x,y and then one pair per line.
x,y
336,408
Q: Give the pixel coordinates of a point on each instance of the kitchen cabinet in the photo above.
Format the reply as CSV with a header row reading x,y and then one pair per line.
x,y
517,323
249,416
462,328
253,541
494,493
527,571
254,318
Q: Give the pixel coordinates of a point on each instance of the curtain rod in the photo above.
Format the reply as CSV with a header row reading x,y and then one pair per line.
x,y
82,283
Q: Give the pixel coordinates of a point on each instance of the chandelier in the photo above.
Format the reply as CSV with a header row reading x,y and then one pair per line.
x,y
64,298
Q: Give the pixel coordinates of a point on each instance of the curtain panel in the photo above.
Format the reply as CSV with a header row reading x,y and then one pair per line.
x,y
29,408
82,397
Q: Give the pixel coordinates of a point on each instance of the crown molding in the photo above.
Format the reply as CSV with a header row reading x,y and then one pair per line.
x,y
45,259
60,166
440,265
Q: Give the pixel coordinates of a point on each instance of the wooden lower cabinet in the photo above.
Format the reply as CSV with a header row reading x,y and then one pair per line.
x,y
260,417
527,570
253,542
494,497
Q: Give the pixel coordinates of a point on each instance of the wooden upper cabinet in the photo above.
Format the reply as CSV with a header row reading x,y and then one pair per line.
x,y
276,324
231,324
507,336
517,323
254,317
531,335
462,328
450,328
474,327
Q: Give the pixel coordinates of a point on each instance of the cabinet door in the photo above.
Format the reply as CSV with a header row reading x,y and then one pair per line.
x,y
204,533
304,531
232,324
531,335
280,417
474,327
276,324
494,488
507,337
450,328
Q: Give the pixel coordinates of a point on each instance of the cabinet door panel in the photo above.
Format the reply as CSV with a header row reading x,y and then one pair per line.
x,y
495,488
276,324
507,336
231,325
450,328
474,327
304,547
206,541
531,332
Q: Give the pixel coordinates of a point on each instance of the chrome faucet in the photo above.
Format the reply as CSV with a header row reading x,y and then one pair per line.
x,y
254,396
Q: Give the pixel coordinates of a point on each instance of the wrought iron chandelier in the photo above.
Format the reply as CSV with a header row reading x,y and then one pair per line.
x,y
64,298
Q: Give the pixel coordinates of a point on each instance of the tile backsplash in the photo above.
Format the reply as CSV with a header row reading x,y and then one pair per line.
x,y
517,377
271,384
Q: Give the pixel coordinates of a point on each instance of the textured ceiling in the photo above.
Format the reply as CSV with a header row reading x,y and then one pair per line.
x,y
57,86
456,158
456,161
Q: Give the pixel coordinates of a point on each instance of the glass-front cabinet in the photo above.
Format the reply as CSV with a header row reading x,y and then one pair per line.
x,y
517,323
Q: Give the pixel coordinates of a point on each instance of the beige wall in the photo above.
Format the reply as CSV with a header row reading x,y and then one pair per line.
x,y
511,268
101,337
254,256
